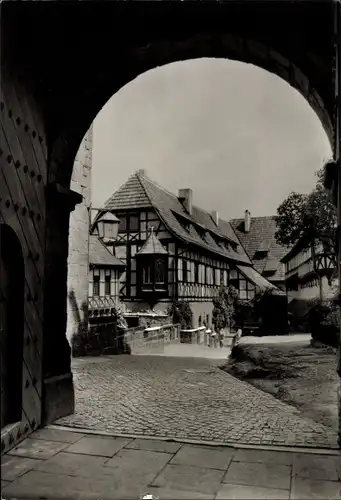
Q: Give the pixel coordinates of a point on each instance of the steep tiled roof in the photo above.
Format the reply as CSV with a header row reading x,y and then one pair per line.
x,y
257,279
131,195
100,255
140,192
261,246
152,246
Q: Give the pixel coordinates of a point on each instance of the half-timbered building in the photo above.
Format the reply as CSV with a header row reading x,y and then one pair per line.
x,y
174,250
257,235
105,270
310,271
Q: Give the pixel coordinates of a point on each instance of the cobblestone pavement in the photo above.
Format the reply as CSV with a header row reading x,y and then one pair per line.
x,y
185,398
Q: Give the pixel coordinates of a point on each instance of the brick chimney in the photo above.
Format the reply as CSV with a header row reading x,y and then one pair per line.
x,y
247,221
186,198
215,217
142,171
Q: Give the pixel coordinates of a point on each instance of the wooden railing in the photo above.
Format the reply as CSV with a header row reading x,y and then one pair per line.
x,y
101,306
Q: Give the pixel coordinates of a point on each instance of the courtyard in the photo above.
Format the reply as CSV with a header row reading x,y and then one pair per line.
x,y
185,398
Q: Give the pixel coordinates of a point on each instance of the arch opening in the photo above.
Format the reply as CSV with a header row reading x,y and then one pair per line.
x,y
203,313
105,83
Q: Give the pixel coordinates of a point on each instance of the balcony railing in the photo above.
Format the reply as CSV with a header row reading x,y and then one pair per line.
x,y
101,306
322,263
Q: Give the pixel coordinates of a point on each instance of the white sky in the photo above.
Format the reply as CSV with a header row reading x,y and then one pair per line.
x,y
239,136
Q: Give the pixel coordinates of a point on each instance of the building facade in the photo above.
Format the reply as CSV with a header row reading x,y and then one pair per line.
x,y
257,235
104,281
310,271
174,250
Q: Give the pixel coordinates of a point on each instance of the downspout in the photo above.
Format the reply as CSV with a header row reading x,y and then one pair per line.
x,y
337,149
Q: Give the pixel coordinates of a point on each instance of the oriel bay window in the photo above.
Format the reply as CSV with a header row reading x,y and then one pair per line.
x,y
153,273
152,262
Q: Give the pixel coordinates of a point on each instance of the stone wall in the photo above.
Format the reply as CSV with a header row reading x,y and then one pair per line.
x,y
78,260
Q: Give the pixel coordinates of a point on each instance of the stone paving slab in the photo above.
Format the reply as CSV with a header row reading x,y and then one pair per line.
x,y
191,479
58,435
187,472
185,398
259,474
263,456
241,492
154,445
13,467
38,448
203,457
307,489
99,446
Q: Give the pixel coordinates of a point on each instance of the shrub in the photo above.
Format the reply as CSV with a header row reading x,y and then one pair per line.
x,y
181,313
324,322
224,307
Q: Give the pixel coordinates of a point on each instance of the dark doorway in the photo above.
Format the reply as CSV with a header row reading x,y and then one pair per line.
x,y
12,286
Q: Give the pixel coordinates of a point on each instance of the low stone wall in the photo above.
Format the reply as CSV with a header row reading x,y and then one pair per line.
x,y
102,339
194,336
152,339
147,320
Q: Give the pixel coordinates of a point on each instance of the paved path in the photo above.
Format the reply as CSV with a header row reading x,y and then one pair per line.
x,y
192,351
68,465
186,398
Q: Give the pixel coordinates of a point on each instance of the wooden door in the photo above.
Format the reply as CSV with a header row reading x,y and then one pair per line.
x,y
12,286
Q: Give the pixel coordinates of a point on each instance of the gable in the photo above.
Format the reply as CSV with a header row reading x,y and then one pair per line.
x,y
129,196
261,245
140,192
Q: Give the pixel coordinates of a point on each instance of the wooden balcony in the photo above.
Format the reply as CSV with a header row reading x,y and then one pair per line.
x,y
323,264
102,306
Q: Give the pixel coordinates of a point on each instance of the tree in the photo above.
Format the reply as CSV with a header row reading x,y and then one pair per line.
x,y
308,216
181,313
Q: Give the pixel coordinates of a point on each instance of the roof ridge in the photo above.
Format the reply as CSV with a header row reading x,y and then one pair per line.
x,y
155,184
138,175
116,191
255,217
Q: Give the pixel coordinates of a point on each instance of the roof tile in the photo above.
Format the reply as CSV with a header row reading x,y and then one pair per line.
x,y
261,238
100,255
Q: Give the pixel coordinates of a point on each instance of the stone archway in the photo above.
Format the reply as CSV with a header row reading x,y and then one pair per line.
x,y
144,58
64,80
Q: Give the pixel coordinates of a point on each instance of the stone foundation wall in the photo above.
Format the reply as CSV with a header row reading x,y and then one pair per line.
x,y
78,259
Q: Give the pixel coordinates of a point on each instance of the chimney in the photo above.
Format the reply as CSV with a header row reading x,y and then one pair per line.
x,y
186,198
143,172
215,217
247,221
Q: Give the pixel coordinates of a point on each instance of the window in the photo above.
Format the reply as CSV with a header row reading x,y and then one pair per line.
x,y
123,224
184,272
129,223
107,282
147,277
95,291
196,272
159,271
134,223
154,275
